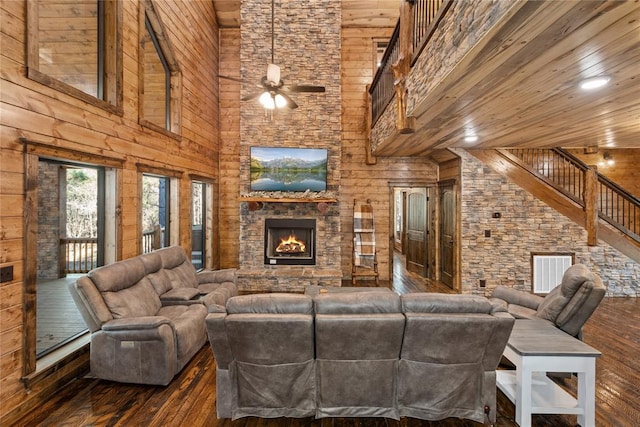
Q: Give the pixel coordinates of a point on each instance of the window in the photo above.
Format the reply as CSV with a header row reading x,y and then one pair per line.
x,y
76,48
198,224
379,48
160,87
156,212
74,208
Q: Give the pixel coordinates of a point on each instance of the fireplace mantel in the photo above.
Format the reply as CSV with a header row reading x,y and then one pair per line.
x,y
289,199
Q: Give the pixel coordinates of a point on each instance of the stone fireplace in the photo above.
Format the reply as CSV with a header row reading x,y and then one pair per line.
x,y
289,241
319,264
307,54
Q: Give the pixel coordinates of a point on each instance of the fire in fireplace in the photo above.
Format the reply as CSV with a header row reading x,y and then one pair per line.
x,y
289,241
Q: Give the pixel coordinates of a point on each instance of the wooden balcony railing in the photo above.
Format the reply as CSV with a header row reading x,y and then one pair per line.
x,y
570,176
417,25
382,89
80,254
426,16
151,239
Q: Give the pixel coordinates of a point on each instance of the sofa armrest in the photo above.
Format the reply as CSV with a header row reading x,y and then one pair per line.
x,y
135,323
498,305
147,328
513,296
217,276
217,333
179,295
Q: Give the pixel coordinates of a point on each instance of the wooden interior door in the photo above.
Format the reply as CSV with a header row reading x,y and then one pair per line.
x,y
416,231
447,234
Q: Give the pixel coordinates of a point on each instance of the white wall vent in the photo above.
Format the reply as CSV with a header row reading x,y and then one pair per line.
x,y
548,271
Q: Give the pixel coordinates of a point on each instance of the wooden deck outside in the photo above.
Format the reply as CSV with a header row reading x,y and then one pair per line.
x,y
58,318
190,399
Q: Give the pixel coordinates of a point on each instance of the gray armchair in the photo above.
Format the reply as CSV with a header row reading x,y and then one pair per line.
x,y
568,306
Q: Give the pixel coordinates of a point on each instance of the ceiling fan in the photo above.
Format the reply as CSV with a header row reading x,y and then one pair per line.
x,y
274,93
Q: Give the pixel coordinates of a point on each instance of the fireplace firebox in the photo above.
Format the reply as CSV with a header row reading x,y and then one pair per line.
x,y
289,241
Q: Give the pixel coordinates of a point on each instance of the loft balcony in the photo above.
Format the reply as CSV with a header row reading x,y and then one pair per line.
x,y
481,74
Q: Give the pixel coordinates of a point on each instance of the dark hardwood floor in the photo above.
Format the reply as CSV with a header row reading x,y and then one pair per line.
x,y
190,399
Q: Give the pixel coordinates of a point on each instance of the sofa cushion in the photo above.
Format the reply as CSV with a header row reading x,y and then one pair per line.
x,y
228,288
552,304
182,276
160,281
357,303
444,303
520,312
189,325
271,303
179,295
117,276
573,279
152,262
179,269
138,300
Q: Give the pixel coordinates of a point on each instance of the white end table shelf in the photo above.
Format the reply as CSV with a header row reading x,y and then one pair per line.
x,y
535,348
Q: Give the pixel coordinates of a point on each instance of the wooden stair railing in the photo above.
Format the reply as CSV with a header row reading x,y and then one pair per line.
x,y
598,195
512,167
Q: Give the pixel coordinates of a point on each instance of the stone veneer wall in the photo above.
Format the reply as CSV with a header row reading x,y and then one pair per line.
x,y
48,220
527,225
464,25
307,53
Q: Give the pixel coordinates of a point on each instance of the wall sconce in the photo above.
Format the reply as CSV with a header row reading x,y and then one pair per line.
x,y
607,160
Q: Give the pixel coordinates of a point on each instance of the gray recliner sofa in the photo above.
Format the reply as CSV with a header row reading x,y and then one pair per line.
x,y
568,306
363,354
144,327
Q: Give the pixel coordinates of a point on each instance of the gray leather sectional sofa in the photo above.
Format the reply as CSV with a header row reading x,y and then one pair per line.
x,y
147,314
362,354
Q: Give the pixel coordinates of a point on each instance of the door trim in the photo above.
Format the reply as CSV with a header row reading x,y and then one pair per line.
x,y
392,185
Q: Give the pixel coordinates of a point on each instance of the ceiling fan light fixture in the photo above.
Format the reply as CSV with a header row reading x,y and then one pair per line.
x,y
280,101
267,101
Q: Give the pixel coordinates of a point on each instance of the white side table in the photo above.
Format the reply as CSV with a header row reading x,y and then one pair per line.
x,y
535,348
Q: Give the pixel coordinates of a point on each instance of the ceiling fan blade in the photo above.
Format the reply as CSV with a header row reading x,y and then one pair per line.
x,y
273,74
235,79
305,88
252,96
290,102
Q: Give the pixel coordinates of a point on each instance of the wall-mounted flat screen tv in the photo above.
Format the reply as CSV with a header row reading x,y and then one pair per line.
x,y
288,169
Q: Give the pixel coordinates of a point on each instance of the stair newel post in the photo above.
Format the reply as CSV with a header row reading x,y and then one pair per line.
x,y
591,206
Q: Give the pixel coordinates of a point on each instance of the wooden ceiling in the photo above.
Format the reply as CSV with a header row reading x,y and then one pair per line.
x,y
519,86
527,94
355,13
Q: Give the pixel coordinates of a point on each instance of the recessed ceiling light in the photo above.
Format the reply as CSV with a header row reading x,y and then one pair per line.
x,y
594,82
470,138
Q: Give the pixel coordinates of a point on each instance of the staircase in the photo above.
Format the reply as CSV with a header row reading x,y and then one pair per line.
x,y
579,192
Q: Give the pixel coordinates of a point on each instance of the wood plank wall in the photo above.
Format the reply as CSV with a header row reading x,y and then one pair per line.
x,y
360,181
229,148
625,172
67,127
